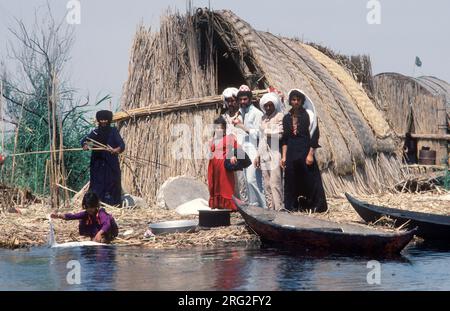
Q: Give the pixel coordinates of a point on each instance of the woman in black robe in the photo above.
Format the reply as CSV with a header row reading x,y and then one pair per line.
x,y
105,178
410,149
303,188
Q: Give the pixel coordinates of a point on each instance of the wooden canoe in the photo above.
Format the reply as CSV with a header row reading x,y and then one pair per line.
x,y
311,235
429,226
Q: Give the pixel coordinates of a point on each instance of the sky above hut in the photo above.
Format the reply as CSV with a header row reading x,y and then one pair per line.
x,y
392,32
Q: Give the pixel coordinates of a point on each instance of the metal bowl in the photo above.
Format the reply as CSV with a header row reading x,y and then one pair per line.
x,y
174,226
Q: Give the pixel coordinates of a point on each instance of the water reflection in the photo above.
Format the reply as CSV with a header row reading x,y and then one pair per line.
x,y
263,271
231,271
294,274
102,272
425,247
125,268
163,270
97,268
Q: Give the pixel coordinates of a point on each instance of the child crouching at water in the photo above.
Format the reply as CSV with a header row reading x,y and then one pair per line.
x,y
95,222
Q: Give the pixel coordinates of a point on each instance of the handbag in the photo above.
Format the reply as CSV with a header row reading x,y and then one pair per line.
x,y
240,164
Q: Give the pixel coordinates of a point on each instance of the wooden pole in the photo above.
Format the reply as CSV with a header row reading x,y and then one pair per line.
x,y
50,151
441,137
49,163
1,116
52,138
174,106
63,179
16,137
66,188
45,175
2,125
136,159
55,134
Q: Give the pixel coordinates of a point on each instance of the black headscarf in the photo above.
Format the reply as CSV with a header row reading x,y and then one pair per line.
x,y
104,115
104,131
298,94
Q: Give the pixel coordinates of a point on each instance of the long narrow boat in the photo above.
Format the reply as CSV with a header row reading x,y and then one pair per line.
x,y
429,226
309,234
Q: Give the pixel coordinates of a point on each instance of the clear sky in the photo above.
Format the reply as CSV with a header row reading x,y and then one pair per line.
x,y
103,39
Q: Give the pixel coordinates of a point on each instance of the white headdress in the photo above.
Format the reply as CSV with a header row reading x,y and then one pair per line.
x,y
228,93
270,97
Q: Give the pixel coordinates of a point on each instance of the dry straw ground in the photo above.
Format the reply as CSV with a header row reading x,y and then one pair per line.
x,y
30,227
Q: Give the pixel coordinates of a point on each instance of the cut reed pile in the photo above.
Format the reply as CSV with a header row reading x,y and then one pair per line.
x,y
31,228
198,55
12,199
434,202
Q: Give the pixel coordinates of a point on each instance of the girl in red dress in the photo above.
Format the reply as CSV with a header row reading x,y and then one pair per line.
x,y
221,181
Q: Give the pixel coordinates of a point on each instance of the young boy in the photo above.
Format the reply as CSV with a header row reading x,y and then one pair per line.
x,y
94,221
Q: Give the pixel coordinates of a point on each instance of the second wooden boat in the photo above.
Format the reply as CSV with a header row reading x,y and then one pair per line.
x,y
429,226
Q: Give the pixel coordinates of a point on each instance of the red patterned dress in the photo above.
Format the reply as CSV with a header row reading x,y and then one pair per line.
x,y
221,181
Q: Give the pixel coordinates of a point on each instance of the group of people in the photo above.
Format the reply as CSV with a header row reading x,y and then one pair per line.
x,y
283,173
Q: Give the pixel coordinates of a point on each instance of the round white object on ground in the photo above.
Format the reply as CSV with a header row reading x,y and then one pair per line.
x,y
179,190
192,207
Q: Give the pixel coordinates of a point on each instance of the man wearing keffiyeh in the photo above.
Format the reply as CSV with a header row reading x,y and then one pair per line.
x,y
250,124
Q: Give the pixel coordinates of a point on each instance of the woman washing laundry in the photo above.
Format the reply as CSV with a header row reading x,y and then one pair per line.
x,y
94,222
299,142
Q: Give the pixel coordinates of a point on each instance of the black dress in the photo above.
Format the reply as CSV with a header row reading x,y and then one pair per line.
x,y
105,179
301,180
410,156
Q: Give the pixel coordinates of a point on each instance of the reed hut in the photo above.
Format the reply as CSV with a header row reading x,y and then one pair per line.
x,y
177,72
416,105
438,87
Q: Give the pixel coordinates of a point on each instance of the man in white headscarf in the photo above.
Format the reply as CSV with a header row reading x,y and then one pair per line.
x,y
232,113
230,107
251,121
269,150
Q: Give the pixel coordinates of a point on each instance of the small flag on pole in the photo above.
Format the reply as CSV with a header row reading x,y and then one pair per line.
x,y
418,62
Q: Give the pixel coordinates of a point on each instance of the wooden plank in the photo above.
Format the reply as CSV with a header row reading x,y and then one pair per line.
x,y
427,166
430,136
174,106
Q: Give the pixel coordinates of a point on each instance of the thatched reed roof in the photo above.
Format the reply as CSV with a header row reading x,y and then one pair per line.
x,y
416,105
198,55
436,87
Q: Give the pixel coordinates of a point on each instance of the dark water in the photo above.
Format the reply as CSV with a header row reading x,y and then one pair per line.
x,y
126,268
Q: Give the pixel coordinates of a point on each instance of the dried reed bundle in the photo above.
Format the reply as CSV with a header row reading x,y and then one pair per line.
x,y
373,116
